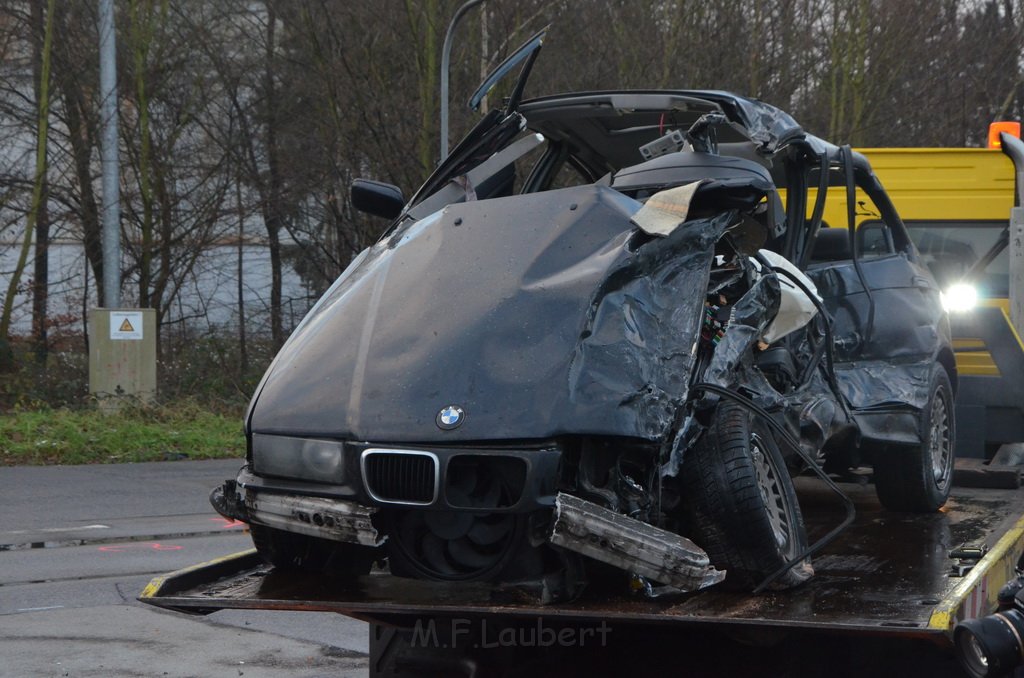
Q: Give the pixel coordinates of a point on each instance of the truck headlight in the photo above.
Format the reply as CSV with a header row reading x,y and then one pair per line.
x,y
322,461
960,297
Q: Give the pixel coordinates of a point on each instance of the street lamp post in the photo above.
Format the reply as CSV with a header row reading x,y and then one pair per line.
x,y
446,54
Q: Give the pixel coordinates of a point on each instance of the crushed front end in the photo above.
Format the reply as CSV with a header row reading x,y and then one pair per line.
x,y
453,435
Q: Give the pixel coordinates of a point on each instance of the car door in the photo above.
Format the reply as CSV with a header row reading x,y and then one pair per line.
x,y
885,303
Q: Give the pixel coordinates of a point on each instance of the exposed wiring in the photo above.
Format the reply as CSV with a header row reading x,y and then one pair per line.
x,y
830,371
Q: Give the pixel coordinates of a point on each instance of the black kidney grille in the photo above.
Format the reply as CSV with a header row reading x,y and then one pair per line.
x,y
405,478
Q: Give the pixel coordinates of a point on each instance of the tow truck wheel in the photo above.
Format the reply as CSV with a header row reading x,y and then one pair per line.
x,y
739,503
919,478
290,551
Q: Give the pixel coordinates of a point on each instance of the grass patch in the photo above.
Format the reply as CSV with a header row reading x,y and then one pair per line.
x,y
181,430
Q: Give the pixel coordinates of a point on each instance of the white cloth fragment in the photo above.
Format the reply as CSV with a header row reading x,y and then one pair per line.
x,y
666,210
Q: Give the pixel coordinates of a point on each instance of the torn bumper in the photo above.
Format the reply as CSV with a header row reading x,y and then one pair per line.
x,y
332,519
322,517
631,545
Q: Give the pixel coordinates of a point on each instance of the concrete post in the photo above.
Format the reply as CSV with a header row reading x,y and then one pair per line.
x,y
122,356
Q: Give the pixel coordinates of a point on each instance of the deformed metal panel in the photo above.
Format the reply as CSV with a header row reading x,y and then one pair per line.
x,y
539,315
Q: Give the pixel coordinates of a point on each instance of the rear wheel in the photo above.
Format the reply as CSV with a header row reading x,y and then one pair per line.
x,y
290,551
739,503
919,478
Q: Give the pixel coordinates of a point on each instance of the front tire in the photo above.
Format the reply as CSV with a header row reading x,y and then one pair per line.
x,y
919,478
739,503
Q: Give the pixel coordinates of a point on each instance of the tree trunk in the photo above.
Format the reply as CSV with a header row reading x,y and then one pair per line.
x,y
39,183
243,353
423,18
82,143
41,267
142,30
272,206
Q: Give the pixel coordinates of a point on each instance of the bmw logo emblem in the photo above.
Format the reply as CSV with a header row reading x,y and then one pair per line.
x,y
450,417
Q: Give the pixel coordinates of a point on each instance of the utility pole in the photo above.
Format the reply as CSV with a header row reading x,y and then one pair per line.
x,y
111,172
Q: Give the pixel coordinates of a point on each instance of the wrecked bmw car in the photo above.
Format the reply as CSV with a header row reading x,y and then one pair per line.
x,y
603,337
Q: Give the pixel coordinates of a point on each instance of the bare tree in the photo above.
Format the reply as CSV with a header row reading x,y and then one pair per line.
x,y
245,121
37,208
42,24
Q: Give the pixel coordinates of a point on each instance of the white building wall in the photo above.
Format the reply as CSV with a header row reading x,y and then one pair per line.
x,y
207,300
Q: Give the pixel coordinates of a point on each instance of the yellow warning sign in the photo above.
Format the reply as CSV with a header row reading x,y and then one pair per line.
x,y
126,325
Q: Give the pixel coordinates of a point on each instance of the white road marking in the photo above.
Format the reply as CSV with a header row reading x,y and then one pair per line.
x,y
39,609
61,529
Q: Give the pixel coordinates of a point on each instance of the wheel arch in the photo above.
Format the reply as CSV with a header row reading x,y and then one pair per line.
x,y
947,359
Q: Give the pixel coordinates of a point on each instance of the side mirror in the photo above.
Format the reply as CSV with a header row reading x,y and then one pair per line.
x,y
377,198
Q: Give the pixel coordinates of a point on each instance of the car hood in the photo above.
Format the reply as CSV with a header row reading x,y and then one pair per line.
x,y
538,315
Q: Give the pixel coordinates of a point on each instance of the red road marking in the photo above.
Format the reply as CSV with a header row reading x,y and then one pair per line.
x,y
139,546
227,523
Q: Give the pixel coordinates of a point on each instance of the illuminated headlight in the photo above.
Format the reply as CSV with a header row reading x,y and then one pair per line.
x,y
321,461
960,297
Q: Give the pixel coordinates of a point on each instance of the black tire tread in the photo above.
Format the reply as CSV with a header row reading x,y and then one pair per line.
x,y
723,505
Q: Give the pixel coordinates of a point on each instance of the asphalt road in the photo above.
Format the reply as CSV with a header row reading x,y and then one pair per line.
x,y
78,544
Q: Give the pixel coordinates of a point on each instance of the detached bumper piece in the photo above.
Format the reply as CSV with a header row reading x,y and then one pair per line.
x,y
227,502
631,545
332,519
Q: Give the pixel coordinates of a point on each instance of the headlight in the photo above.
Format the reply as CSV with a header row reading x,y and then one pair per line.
x,y
321,461
960,297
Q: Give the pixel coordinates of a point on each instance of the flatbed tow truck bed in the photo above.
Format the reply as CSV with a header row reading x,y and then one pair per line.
x,y
889,575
